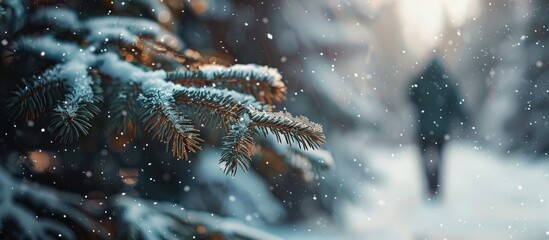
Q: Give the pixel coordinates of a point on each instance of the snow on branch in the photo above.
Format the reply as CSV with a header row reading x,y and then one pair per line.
x,y
73,113
47,47
146,220
263,82
62,18
137,26
138,35
129,30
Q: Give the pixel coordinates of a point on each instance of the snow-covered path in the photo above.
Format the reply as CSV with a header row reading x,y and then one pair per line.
x,y
486,196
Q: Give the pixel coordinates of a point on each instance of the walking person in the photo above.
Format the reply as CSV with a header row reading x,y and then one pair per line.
x,y
437,106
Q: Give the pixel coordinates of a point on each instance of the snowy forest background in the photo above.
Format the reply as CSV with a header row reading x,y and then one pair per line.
x,y
347,65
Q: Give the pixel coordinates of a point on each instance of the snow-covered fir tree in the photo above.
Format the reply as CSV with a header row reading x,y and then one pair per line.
x,y
89,86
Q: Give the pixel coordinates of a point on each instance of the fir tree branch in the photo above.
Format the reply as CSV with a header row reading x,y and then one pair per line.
x,y
72,116
70,121
238,146
38,95
161,114
294,129
263,82
214,104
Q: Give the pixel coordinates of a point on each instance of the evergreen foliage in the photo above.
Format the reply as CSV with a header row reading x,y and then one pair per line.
x,y
90,79
171,103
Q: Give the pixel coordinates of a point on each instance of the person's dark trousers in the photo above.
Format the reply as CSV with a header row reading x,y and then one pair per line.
x,y
431,157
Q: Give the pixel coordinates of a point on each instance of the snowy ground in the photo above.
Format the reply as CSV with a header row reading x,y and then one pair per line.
x,y
486,196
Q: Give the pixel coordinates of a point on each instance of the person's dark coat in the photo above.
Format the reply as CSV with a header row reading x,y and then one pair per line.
x,y
437,102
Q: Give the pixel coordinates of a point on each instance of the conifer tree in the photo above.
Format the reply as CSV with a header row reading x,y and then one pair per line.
x,y
120,70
